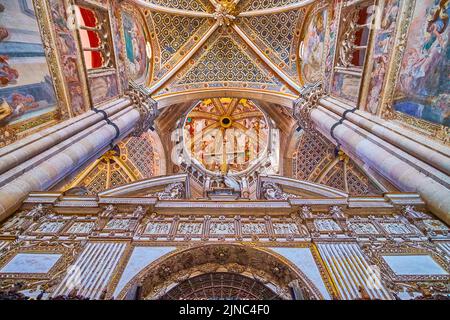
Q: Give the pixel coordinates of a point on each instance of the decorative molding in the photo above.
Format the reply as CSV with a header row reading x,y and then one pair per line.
x,y
308,100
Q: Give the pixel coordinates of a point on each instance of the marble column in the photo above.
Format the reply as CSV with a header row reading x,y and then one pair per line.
x,y
41,160
63,159
25,149
403,169
434,154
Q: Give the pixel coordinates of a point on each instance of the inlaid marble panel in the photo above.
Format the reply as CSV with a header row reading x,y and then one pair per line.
x,y
414,265
31,263
139,259
304,260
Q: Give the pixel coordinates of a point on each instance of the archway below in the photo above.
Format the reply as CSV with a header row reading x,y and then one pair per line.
x,y
246,263
220,286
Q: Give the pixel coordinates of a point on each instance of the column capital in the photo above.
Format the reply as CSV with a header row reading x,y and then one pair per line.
x,y
145,104
309,97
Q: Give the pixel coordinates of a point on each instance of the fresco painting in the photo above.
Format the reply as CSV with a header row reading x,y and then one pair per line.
x,y
330,43
26,89
346,86
312,48
67,49
135,46
116,26
423,85
384,41
103,88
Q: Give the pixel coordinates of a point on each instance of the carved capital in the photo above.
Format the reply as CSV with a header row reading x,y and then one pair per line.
x,y
146,106
308,100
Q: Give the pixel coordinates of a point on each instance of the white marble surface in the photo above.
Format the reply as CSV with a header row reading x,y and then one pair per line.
x,y
139,259
414,265
31,263
304,260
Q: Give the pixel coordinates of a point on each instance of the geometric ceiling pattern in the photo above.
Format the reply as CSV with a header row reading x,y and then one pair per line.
x,y
225,43
176,35
277,36
173,32
225,61
314,160
193,5
133,159
250,5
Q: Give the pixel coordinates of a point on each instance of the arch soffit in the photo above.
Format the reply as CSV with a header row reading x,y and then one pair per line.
x,y
284,271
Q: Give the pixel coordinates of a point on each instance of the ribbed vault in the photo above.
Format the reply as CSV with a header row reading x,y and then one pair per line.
x,y
210,44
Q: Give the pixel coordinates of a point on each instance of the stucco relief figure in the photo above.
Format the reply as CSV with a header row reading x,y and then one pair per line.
x,y
285,228
222,228
396,228
435,225
109,210
15,225
158,228
423,90
118,224
190,228
50,227
172,192
254,228
272,191
81,227
326,225
363,228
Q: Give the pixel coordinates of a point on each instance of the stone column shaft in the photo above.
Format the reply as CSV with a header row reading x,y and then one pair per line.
x,y
64,158
37,143
436,156
390,162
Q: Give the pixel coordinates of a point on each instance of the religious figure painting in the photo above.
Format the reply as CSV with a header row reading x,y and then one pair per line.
x,y
312,48
26,88
384,40
330,43
67,49
136,47
423,88
103,88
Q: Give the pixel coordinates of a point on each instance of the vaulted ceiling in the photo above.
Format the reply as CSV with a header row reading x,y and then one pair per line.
x,y
253,45
210,44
